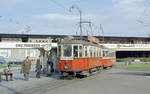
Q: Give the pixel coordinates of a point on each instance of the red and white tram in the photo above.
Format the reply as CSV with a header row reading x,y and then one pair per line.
x,y
81,57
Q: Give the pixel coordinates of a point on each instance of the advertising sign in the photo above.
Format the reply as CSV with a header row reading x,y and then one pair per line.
x,y
93,39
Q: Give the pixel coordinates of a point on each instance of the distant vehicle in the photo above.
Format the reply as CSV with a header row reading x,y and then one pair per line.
x,y
15,62
2,60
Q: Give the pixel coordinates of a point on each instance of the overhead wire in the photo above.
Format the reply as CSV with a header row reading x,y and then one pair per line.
x,y
140,19
59,4
145,9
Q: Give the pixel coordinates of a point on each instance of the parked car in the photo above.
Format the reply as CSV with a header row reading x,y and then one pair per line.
x,y
15,62
2,60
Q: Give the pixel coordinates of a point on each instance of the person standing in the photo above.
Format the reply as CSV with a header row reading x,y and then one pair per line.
x,y
50,68
26,66
38,67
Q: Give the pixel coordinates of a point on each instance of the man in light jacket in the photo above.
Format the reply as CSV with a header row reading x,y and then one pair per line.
x,y
26,66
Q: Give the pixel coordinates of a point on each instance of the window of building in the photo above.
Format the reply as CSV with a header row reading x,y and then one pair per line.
x,y
5,53
31,53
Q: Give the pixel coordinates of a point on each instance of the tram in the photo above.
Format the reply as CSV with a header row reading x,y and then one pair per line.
x,y
81,57
108,58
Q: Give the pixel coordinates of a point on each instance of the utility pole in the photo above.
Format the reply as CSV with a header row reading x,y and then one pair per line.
x,y
101,28
80,23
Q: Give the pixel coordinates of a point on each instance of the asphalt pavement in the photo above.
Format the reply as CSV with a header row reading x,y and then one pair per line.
x,y
111,81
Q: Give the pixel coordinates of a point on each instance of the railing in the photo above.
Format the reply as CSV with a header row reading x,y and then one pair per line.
x,y
19,76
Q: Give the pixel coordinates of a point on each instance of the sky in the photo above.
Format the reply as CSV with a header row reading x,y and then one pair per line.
x,y
117,17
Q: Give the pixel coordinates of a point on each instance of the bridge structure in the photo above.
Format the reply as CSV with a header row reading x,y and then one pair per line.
x,y
129,47
130,50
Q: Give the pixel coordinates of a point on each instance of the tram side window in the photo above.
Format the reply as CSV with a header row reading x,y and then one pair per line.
x,y
86,54
97,52
100,52
105,54
80,51
94,50
67,50
90,51
112,54
75,51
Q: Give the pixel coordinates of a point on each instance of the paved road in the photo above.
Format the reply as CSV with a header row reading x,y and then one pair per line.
x,y
112,81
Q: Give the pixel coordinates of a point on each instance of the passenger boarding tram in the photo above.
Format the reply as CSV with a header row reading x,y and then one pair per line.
x,y
82,57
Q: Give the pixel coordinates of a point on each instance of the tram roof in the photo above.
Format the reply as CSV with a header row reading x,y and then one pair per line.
x,y
78,41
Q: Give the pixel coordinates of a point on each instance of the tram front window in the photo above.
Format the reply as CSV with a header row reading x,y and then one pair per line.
x,y
67,50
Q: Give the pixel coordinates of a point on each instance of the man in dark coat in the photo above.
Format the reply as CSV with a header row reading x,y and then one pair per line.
x,y
38,67
26,66
50,68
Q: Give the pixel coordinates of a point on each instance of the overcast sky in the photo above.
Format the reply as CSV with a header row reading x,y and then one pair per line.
x,y
118,17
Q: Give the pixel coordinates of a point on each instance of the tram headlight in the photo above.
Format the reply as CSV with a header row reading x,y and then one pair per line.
x,y
66,67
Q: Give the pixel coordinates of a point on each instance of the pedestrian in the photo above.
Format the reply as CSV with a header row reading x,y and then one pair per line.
x,y
7,72
26,66
38,67
50,68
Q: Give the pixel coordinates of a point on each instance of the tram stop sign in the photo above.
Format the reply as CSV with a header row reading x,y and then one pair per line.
x,y
47,47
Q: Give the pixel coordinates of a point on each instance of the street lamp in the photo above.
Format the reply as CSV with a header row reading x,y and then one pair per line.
x,y
79,10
